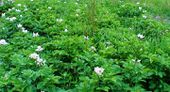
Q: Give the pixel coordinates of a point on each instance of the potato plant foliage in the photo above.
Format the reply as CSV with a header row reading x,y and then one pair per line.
x,y
82,46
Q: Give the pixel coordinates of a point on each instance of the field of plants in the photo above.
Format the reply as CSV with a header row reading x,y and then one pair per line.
x,y
84,45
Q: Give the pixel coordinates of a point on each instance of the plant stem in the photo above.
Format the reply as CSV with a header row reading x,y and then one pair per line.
x,y
92,16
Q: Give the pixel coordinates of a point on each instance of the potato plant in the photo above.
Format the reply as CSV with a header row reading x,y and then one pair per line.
x,y
82,46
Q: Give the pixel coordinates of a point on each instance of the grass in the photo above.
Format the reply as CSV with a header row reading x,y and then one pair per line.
x,y
158,8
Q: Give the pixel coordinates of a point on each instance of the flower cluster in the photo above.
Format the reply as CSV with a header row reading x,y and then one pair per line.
x,y
59,20
93,48
11,19
65,30
39,61
26,31
3,15
144,16
86,37
49,8
140,36
14,9
3,42
9,1
34,56
35,34
138,61
39,49
22,28
98,70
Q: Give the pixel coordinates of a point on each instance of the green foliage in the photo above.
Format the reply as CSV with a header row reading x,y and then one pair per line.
x,y
73,46
5,5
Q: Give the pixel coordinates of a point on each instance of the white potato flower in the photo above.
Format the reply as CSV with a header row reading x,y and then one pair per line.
x,y
93,48
40,61
140,36
140,8
19,5
35,34
19,26
144,16
39,49
49,8
59,20
99,70
3,42
12,19
34,56
86,37
3,15
65,30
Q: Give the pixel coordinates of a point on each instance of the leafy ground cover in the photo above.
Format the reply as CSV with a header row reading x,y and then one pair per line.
x,y
83,46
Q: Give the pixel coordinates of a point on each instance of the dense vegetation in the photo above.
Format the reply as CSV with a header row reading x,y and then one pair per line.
x,y
84,46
